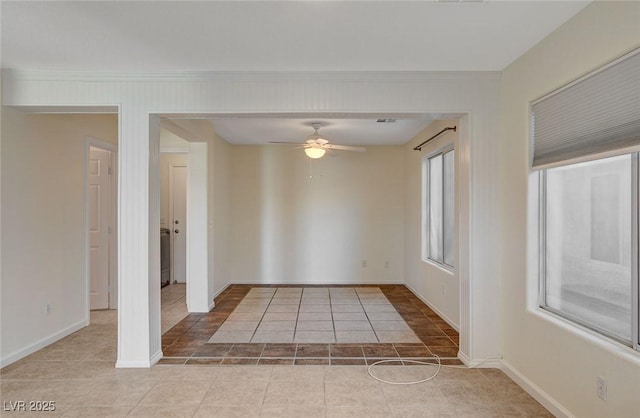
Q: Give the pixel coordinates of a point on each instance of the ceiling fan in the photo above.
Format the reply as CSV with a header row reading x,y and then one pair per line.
x,y
316,146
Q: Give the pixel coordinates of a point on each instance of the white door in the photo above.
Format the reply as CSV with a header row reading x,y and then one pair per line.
x,y
178,209
99,216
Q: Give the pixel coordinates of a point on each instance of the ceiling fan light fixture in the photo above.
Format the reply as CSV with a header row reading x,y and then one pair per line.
x,y
314,152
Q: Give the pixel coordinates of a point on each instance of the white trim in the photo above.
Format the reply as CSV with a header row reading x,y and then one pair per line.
x,y
30,349
186,76
432,307
212,305
535,391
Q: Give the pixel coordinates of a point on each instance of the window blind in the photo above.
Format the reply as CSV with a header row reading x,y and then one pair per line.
x,y
598,113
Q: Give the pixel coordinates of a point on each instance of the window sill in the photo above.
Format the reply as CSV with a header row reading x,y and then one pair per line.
x,y
618,349
443,267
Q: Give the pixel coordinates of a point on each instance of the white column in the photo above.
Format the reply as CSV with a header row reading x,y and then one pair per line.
x,y
197,230
138,253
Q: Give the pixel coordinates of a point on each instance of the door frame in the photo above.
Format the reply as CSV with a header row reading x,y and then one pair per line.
x,y
113,236
172,166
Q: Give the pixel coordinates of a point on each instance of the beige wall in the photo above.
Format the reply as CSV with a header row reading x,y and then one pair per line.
x,y
290,228
439,288
563,363
43,224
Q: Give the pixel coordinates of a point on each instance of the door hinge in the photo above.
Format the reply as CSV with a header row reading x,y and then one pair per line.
x,y
110,171
109,230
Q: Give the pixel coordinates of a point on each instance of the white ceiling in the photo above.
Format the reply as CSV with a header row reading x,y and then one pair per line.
x,y
158,36
275,36
352,131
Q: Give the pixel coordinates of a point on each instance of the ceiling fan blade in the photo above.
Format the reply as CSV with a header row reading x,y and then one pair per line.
x,y
345,147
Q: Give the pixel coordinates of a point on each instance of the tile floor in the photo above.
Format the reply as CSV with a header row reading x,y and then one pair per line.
x,y
315,315
398,324
78,373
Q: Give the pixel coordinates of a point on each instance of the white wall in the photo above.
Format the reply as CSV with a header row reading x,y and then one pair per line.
x,y
427,279
219,213
43,219
290,228
166,160
561,362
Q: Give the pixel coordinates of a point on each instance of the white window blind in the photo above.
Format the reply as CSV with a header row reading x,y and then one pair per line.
x,y
599,113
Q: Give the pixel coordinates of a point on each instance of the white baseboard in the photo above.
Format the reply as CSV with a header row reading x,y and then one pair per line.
x,y
156,357
32,348
433,308
491,363
216,294
140,364
134,364
535,391
212,305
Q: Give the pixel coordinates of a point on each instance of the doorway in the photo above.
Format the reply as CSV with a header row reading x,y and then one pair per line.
x,y
101,198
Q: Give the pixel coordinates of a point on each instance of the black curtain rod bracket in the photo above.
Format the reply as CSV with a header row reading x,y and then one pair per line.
x,y
450,128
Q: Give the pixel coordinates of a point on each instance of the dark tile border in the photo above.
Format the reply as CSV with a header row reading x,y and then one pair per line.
x,y
187,341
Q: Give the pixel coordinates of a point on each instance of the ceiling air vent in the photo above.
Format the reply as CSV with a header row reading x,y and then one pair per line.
x,y
385,120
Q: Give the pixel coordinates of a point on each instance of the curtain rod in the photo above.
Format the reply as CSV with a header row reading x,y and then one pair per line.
x,y
451,128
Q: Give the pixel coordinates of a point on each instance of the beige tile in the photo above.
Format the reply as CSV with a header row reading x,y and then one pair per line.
x,y
359,393
356,337
345,301
218,411
390,325
116,393
300,393
357,412
297,373
239,373
349,316
379,308
236,393
68,393
98,411
314,326
18,390
283,308
426,393
314,337
314,316
272,337
176,393
279,316
292,412
250,308
245,316
347,308
35,370
142,411
353,326
308,300
285,301
384,316
315,308
277,326
397,337
238,326
423,411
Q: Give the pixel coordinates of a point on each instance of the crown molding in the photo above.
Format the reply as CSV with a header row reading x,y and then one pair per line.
x,y
195,76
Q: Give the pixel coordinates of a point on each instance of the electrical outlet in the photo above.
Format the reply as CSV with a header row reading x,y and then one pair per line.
x,y
601,388
386,264
364,263
47,309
